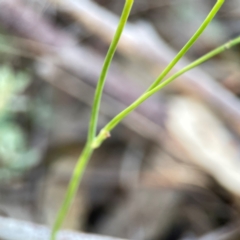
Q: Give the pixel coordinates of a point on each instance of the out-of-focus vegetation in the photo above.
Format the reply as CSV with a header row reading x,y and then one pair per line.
x,y
15,155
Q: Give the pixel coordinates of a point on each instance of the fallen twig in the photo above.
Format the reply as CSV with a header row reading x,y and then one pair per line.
x,y
12,229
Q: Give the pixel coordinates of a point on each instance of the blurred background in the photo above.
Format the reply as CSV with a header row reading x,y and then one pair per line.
x,y
170,171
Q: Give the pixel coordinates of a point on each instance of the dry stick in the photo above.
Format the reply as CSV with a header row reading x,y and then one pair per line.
x,y
87,151
13,229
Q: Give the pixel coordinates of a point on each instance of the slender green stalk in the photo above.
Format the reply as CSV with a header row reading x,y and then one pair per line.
x,y
188,45
72,189
106,65
116,120
93,141
87,151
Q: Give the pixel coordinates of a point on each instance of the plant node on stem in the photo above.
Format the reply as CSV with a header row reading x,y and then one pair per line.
x,y
88,149
93,141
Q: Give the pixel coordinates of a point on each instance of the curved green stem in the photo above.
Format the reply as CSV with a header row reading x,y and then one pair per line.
x,y
116,120
106,65
188,45
87,151
72,189
93,141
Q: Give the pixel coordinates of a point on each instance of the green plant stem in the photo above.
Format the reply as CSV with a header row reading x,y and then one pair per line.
x,y
72,188
87,151
116,120
106,65
188,45
93,141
